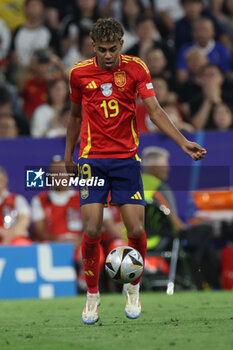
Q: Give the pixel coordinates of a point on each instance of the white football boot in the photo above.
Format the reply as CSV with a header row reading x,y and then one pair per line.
x,y
90,311
133,304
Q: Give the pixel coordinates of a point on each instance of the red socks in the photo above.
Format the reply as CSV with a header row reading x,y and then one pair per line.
x,y
91,259
139,243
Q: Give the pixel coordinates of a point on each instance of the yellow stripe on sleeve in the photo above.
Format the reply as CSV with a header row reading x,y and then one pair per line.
x,y
87,148
135,136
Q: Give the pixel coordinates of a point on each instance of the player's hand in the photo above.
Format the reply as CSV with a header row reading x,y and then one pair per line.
x,y
195,151
71,168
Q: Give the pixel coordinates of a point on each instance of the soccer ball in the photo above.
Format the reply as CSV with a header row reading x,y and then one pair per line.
x,y
124,264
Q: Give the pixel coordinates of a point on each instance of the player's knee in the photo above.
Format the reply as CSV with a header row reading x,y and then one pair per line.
x,y
136,230
92,231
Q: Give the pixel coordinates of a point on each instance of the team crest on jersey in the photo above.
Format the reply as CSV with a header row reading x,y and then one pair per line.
x,y
106,89
120,79
84,192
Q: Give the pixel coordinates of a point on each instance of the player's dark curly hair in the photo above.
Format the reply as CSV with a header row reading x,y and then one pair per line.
x,y
106,30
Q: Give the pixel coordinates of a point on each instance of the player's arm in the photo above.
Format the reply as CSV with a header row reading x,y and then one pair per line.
x,y
162,121
72,135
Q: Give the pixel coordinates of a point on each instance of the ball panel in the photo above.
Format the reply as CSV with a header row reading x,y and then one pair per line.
x,y
135,261
124,264
124,252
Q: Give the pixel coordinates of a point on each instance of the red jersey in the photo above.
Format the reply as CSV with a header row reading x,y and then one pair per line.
x,y
7,205
34,94
109,128
62,219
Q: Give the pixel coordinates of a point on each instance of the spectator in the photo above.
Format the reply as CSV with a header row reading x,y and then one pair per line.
x,y
14,213
56,213
203,33
33,82
163,94
111,8
47,112
193,9
82,50
196,240
214,91
131,11
9,90
168,12
84,14
9,106
58,125
32,35
5,40
158,65
229,10
56,10
8,127
195,61
149,37
217,7
222,117
176,117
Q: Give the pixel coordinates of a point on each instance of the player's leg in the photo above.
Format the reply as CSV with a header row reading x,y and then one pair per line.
x,y
92,200
127,190
133,217
92,217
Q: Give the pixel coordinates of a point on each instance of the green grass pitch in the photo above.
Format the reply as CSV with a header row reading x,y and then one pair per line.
x,y
186,320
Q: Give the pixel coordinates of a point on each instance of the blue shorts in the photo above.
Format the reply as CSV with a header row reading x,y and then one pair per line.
x,y
120,177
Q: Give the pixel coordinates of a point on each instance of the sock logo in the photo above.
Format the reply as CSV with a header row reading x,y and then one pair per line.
x,y
89,273
89,262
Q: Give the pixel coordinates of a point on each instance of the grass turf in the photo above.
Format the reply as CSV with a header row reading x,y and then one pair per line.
x,y
186,320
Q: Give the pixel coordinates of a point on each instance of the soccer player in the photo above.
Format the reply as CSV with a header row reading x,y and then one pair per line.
x,y
103,96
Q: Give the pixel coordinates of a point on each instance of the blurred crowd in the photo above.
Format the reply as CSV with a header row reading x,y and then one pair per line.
x,y
187,45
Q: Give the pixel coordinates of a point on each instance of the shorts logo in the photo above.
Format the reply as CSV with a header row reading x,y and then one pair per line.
x,y
137,196
84,192
106,89
35,178
120,79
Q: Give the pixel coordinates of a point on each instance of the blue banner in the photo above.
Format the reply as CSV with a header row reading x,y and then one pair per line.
x,y
37,271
